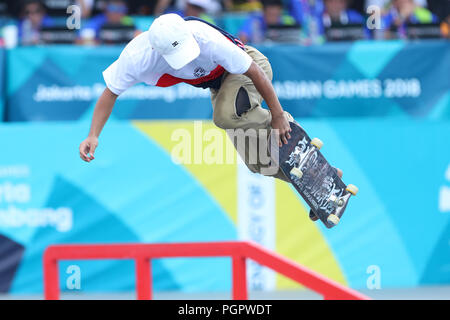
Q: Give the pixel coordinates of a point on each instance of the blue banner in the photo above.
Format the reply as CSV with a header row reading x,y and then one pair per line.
x,y
64,82
384,78
367,78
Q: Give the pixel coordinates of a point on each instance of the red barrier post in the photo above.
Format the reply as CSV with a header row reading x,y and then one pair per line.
x,y
239,278
143,279
51,281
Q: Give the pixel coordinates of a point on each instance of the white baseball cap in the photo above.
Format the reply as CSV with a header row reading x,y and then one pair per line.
x,y
171,37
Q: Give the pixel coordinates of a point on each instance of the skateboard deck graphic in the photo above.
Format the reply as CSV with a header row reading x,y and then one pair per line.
x,y
313,177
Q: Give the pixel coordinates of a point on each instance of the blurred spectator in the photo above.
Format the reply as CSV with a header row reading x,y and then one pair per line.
x,y
33,19
308,13
337,12
255,27
358,6
441,8
211,7
243,5
317,15
148,7
5,8
195,8
198,8
113,16
87,7
58,8
402,13
445,27
384,4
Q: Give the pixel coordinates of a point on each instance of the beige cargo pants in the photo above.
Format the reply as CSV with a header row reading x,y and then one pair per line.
x,y
226,115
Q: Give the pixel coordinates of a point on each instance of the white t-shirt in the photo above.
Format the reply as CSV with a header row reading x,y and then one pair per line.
x,y
138,62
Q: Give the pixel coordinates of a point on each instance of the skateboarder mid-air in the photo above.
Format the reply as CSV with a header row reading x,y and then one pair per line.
x,y
192,51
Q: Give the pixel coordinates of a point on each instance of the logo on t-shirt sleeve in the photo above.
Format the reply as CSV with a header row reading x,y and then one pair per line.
x,y
199,72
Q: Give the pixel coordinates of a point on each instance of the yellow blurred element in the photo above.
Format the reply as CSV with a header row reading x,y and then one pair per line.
x,y
300,239
219,180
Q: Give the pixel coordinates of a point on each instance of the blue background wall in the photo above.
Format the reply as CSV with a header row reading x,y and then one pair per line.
x,y
133,192
382,109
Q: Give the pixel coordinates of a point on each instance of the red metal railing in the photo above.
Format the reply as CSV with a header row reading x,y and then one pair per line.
x,y
238,251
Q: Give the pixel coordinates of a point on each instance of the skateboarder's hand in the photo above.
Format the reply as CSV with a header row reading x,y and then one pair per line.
x,y
280,123
87,148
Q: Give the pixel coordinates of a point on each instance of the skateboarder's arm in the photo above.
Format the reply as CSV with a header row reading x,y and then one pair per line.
x,y
102,112
265,88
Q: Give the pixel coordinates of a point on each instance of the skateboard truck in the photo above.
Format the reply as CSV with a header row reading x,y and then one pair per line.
x,y
340,202
336,201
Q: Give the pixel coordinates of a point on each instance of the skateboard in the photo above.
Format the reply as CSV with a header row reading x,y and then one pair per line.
x,y
314,178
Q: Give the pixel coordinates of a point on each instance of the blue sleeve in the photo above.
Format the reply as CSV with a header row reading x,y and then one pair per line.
x,y
354,17
434,18
386,21
246,27
48,22
295,10
96,23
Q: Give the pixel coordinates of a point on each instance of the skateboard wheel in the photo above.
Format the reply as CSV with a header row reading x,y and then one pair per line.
x,y
316,142
333,219
352,189
296,172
